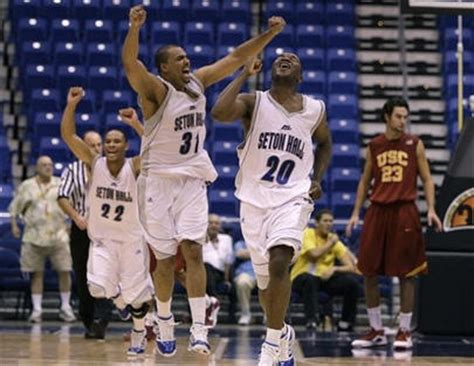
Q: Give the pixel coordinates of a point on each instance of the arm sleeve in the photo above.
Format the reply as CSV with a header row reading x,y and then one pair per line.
x,y
18,203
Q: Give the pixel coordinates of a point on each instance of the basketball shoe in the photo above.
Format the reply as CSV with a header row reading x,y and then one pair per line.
x,y
165,340
287,343
372,339
268,355
403,340
198,340
137,343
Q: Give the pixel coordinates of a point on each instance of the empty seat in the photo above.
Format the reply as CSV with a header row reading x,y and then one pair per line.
x,y
103,78
117,9
36,53
58,167
205,9
86,9
88,103
64,30
340,59
24,8
55,9
32,29
308,35
44,100
167,32
226,177
87,122
340,36
345,155
223,51
310,12
223,202
176,10
101,54
311,58
344,179
344,131
199,33
68,53
39,76
284,9
342,204
200,55
313,82
340,12
98,31
343,83
285,37
133,146
55,148
227,131
68,76
451,62
113,100
452,85
224,153
231,34
451,38
46,124
236,11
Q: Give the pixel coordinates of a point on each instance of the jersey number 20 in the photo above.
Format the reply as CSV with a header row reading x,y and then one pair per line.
x,y
118,212
283,170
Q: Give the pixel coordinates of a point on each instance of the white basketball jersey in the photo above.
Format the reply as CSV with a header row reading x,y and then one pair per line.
x,y
276,158
173,141
113,203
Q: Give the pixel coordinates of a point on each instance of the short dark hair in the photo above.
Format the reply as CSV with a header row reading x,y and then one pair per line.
x,y
118,130
390,105
162,55
324,211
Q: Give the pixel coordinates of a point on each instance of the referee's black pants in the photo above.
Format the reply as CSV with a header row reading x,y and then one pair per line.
x,y
90,308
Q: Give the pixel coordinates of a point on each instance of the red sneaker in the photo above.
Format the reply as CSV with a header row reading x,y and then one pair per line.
x,y
372,339
403,339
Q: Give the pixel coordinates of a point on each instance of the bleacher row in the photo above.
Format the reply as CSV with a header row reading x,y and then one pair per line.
x,y
77,42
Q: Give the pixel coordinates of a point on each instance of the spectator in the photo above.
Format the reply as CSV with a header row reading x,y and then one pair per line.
x,y
45,235
316,270
218,256
245,281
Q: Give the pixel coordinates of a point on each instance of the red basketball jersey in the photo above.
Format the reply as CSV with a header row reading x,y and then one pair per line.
x,y
394,168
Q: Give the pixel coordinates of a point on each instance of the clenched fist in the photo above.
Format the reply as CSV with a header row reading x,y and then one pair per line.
x,y
276,24
137,16
75,95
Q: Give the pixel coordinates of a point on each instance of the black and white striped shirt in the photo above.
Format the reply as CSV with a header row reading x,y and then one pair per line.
x,y
74,185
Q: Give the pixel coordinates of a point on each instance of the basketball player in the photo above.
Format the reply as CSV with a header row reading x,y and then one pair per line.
x,y
274,184
175,166
391,240
118,259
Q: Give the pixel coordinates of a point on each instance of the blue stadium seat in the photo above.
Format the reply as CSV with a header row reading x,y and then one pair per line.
x,y
102,78
117,9
39,76
36,53
113,121
223,51
451,62
310,12
308,35
98,31
322,202
87,122
55,9
123,30
340,59
340,13
227,132
46,100
46,124
452,85
451,38
343,106
176,10
32,29
64,30
344,179
223,202
224,153
340,36
285,37
101,54
86,9
167,32
344,131
199,33
226,177
341,82
312,58
68,76
24,8
342,204
231,34
88,102
284,9
133,146
200,55
313,82
345,156
205,9
68,53
113,100
236,11
58,167
55,148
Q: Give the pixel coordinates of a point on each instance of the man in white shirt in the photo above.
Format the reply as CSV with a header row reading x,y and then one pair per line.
x,y
218,256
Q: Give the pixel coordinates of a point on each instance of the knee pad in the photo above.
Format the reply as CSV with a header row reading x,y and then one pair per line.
x,y
139,312
97,291
262,281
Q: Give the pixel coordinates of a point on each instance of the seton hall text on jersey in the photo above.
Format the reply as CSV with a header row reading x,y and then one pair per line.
x,y
281,142
188,121
113,194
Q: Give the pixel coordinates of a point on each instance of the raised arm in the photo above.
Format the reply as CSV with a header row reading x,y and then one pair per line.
x,y
362,190
149,88
68,128
231,105
226,66
322,156
130,117
428,186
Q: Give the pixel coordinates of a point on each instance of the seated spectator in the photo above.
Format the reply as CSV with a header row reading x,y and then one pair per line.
x,y
218,256
45,236
244,280
316,270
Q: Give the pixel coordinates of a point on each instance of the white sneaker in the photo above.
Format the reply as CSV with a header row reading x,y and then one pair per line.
x,y
67,315
198,340
137,343
165,340
245,319
287,343
268,355
35,316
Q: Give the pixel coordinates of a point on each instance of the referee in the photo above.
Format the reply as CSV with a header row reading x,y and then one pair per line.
x,y
95,313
